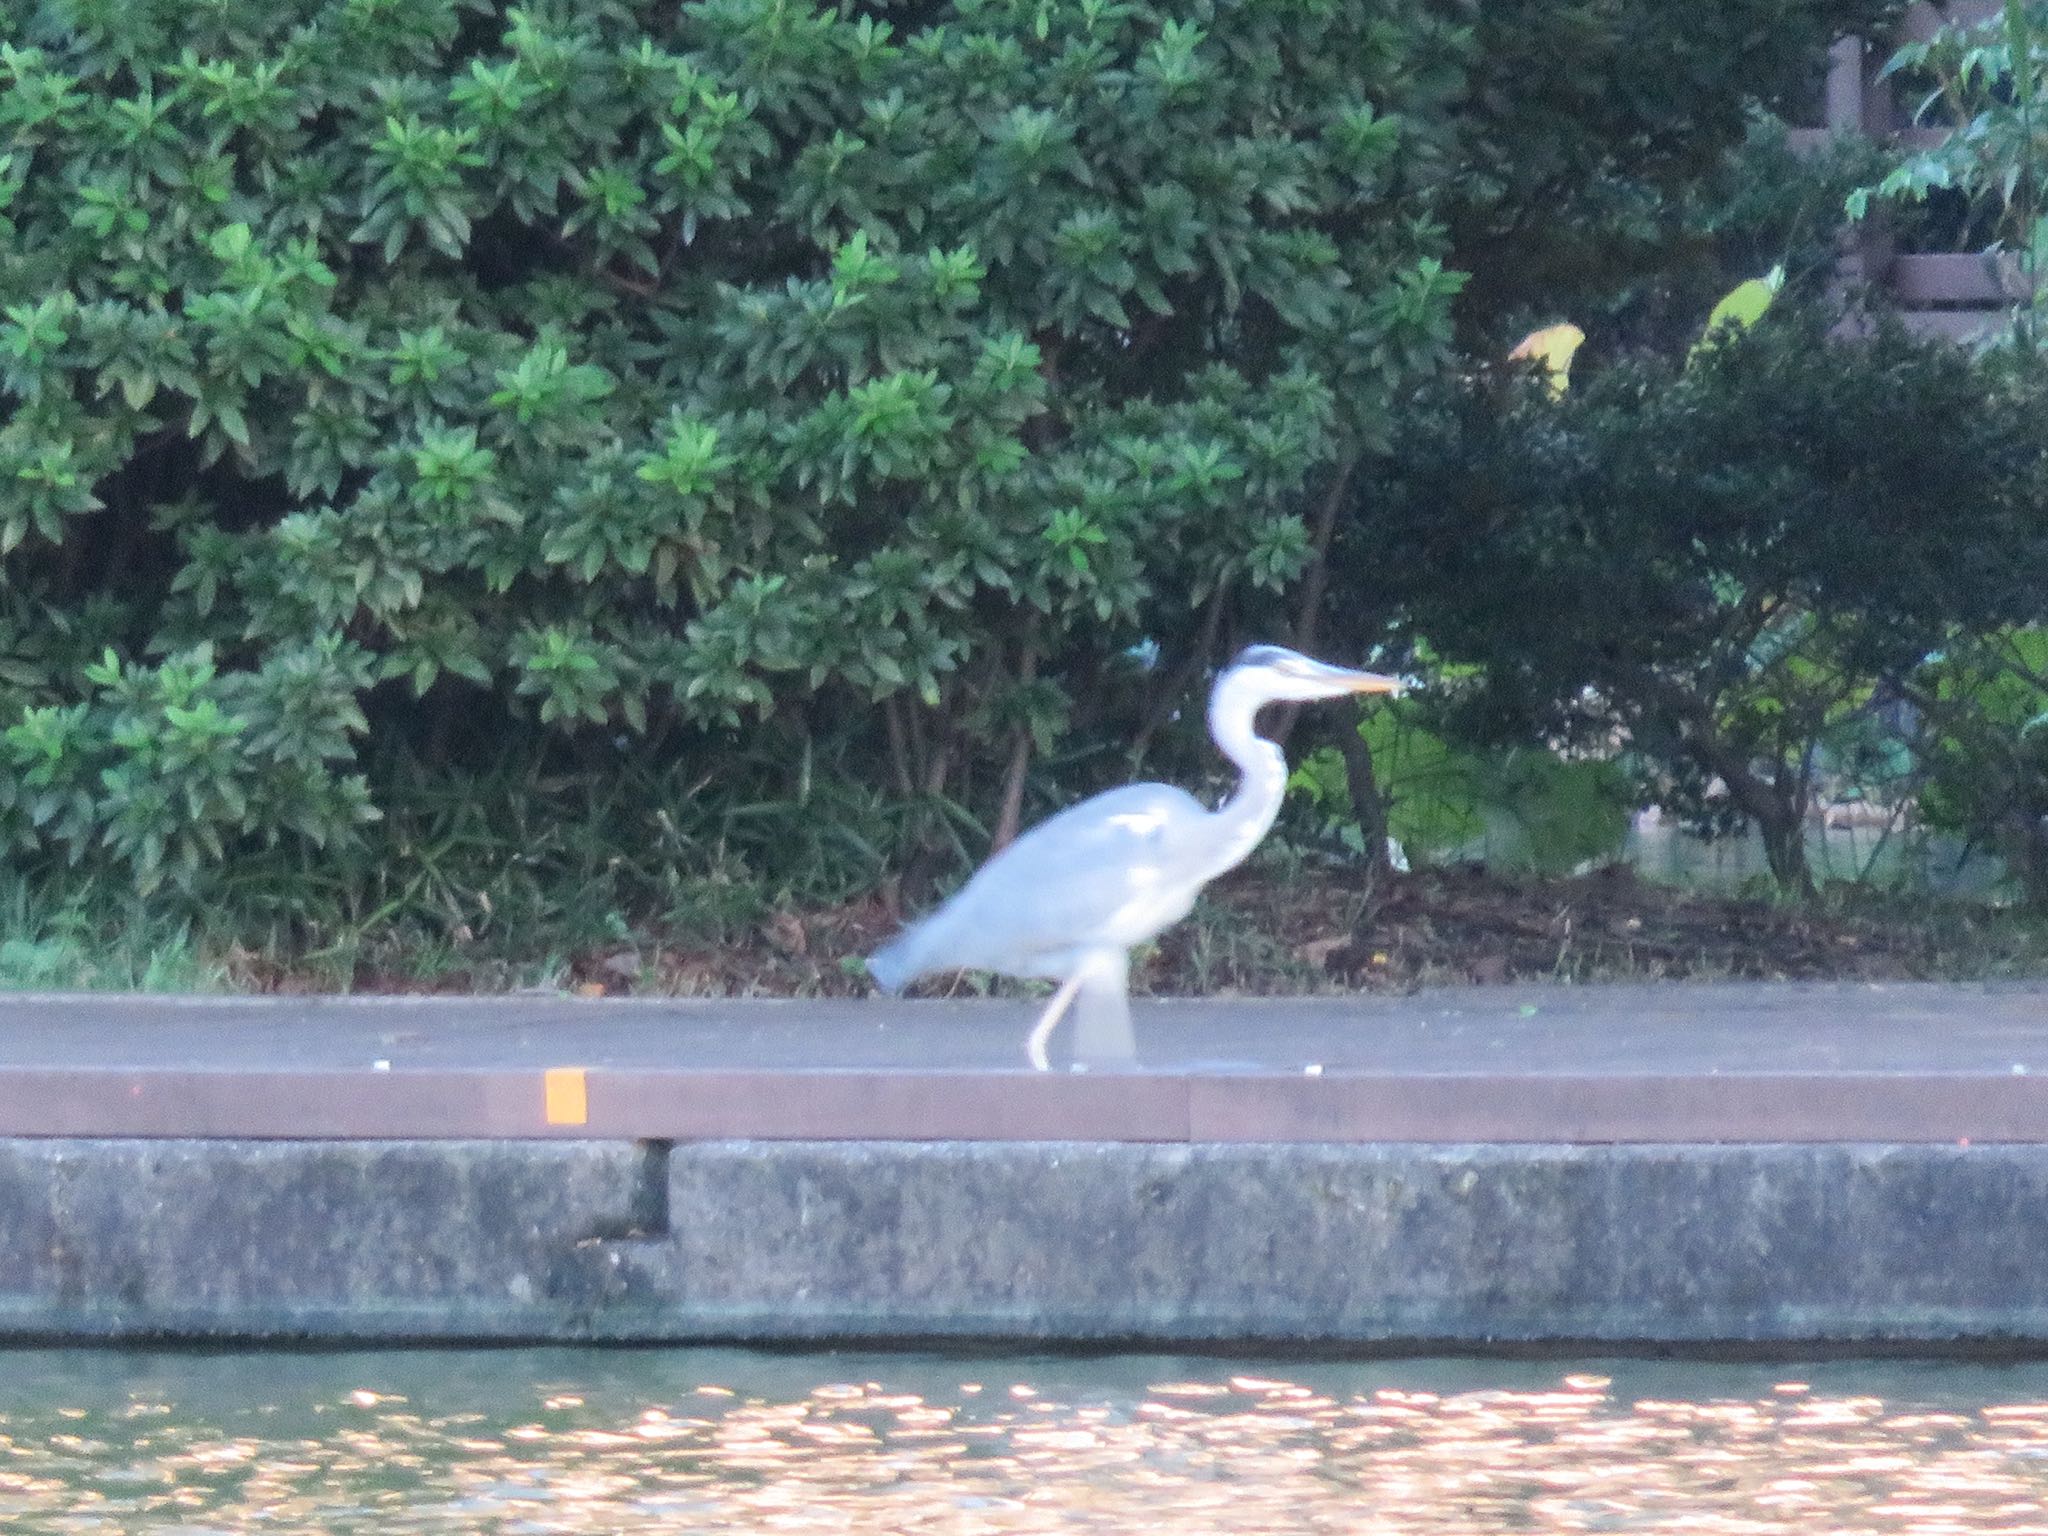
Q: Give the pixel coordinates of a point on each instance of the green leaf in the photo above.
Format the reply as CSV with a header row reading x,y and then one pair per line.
x,y
1739,309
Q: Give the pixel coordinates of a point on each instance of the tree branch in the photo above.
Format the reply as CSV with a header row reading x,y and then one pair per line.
x,y
1315,582
1168,694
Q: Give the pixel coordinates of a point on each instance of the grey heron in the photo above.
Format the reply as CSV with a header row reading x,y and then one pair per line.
x,y
1070,899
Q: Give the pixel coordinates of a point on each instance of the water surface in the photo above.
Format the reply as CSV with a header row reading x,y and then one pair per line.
x,y
544,1441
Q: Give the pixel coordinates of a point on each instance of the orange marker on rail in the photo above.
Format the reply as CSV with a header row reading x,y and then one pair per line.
x,y
566,1095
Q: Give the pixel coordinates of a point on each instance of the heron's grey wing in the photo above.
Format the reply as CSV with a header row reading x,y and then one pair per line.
x,y
1073,881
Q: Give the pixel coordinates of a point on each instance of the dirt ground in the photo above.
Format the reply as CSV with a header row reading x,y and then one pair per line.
x,y
1255,934
1466,925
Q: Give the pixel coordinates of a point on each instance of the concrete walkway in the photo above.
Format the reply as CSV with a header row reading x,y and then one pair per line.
x,y
1781,1167
1736,1063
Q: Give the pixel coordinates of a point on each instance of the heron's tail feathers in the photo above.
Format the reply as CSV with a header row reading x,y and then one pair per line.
x,y
897,963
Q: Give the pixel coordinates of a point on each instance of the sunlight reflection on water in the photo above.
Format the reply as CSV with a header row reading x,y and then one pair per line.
x,y
540,1442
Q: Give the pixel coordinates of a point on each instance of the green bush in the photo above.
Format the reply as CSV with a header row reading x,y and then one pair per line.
x,y
1517,807
714,383
1982,739
1731,568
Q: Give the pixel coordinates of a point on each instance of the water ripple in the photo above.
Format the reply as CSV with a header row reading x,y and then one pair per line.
x,y
557,1443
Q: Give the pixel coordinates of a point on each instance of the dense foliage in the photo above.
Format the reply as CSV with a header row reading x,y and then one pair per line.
x,y
1983,700
1738,567
429,429
693,382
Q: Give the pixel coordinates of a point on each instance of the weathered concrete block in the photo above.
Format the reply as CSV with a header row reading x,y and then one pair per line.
x,y
1161,1244
313,1239
1362,1244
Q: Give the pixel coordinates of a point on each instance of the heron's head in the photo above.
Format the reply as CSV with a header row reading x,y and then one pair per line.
x,y
1272,673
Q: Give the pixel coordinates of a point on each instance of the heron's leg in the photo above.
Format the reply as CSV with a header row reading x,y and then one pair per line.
x,y
1034,1043
1102,1012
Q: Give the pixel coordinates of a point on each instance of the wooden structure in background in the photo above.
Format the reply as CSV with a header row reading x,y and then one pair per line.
x,y
1956,295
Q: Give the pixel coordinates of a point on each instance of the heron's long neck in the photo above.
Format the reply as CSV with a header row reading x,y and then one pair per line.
x,y
1247,815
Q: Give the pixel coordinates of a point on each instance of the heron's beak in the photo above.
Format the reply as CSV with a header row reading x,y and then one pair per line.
x,y
1328,682
1345,680
1374,682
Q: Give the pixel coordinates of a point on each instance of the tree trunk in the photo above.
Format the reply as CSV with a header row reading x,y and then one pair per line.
x,y
1011,815
1368,805
899,745
1784,836
1780,818
1315,580
2023,844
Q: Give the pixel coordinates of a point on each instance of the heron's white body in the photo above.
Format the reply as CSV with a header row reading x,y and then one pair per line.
x,y
1100,875
1072,897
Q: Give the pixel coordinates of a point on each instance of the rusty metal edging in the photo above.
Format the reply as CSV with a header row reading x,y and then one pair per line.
x,y
519,1103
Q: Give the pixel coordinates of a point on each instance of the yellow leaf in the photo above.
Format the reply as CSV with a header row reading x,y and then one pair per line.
x,y
1553,347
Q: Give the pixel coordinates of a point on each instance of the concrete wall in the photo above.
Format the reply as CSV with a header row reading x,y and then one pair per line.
x,y
1159,1244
